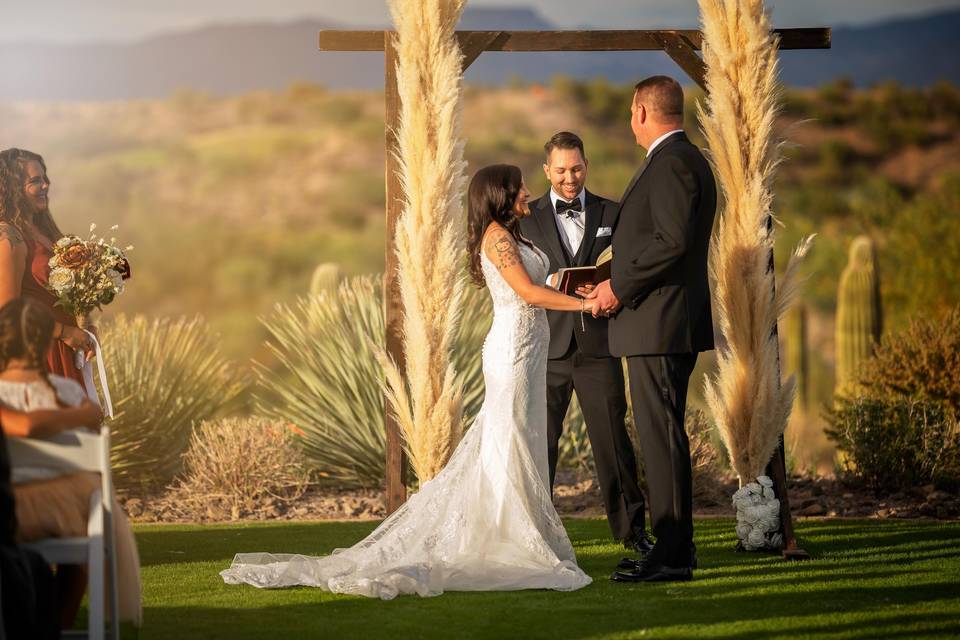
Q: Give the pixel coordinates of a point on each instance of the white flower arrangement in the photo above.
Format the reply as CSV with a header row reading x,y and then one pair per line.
x,y
87,274
758,515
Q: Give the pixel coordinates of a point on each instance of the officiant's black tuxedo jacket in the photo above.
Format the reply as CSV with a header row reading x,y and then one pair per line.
x,y
540,227
660,245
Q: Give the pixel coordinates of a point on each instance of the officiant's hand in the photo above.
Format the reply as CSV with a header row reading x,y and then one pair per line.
x,y
606,301
584,290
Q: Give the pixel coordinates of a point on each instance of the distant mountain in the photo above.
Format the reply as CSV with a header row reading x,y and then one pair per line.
x,y
232,59
913,51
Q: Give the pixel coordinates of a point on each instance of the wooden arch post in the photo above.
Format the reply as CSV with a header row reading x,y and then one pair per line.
x,y
680,44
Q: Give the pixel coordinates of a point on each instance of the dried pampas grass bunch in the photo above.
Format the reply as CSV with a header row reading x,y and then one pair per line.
x,y
428,403
746,398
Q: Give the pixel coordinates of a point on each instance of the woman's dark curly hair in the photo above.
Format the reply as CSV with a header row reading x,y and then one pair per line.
x,y
26,330
15,209
490,198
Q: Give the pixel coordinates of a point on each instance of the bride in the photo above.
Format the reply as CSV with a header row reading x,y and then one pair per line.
x,y
486,522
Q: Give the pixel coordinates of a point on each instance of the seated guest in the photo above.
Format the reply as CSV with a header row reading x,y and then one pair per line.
x,y
34,403
28,594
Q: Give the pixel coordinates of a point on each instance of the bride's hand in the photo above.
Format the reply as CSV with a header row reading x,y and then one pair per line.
x,y
590,306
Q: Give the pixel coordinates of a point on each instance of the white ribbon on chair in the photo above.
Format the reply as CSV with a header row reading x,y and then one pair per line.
x,y
86,369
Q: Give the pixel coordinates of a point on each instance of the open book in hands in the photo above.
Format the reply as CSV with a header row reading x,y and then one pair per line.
x,y
570,278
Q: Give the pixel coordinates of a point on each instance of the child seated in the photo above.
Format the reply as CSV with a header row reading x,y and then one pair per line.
x,y
35,404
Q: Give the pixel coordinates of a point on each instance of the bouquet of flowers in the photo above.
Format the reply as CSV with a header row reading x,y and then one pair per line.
x,y
87,274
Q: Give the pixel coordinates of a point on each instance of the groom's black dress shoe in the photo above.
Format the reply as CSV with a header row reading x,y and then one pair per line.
x,y
639,542
645,572
629,564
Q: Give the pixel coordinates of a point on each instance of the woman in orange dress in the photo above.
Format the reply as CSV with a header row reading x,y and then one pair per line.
x,y
55,507
27,235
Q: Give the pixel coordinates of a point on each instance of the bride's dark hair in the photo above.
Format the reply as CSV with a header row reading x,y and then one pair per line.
x,y
490,198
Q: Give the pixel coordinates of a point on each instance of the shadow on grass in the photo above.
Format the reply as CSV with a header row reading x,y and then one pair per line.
x,y
651,610
869,579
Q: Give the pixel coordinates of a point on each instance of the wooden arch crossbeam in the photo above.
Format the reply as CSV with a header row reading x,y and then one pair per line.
x,y
680,44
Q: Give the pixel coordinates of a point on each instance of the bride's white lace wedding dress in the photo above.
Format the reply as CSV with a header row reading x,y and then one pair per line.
x,y
486,522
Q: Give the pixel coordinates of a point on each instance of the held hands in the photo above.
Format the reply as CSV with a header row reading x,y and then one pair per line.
x,y
605,301
590,306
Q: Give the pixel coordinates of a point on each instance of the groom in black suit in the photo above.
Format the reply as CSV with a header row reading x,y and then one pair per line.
x,y
573,227
658,298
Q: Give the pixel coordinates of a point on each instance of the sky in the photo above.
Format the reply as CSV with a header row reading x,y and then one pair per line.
x,y
69,21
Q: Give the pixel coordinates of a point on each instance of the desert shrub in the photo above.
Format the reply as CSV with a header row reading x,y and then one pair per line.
x,y
833,103
705,459
236,465
892,443
921,363
902,430
923,251
165,376
330,383
944,100
574,450
835,157
601,103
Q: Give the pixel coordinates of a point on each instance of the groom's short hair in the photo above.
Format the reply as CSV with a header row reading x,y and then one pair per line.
x,y
564,140
663,94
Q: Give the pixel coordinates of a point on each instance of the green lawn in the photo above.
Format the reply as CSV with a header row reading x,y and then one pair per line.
x,y
868,579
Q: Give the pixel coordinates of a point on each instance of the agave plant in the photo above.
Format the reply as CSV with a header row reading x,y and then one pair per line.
x,y
165,376
330,387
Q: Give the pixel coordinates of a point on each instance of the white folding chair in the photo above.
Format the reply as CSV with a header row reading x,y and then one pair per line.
x,y
70,452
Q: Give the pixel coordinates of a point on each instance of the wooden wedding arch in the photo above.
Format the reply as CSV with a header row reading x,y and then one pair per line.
x,y
680,44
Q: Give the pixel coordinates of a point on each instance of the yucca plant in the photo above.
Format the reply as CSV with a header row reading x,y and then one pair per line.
x,y
166,376
330,387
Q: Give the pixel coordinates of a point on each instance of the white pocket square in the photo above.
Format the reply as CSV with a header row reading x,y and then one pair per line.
x,y
604,231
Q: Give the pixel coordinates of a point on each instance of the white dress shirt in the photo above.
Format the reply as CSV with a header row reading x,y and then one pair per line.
x,y
571,228
661,139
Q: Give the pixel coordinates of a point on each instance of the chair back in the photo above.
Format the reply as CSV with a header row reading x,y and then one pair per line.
x,y
66,452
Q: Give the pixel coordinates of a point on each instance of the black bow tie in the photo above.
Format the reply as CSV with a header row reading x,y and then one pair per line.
x,y
569,209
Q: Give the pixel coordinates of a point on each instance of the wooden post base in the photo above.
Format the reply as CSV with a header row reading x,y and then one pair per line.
x,y
777,471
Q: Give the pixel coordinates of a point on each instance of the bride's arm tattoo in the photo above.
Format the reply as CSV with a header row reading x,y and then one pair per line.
x,y
507,255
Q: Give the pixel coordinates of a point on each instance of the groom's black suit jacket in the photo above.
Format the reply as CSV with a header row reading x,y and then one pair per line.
x,y
660,248
540,227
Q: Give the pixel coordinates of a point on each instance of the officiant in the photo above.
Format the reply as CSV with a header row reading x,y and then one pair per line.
x,y
573,226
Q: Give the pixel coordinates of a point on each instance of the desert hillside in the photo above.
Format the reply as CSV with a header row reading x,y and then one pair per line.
x,y
231,202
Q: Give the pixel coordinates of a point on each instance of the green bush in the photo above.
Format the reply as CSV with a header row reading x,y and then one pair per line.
x,y
165,376
330,383
922,363
895,443
922,253
902,430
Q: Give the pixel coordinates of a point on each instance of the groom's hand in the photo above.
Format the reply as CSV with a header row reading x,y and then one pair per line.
x,y
607,302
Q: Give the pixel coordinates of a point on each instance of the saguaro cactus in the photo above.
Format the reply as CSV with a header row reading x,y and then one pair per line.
x,y
859,312
326,277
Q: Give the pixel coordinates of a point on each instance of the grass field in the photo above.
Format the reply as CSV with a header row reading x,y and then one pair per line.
x,y
868,579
